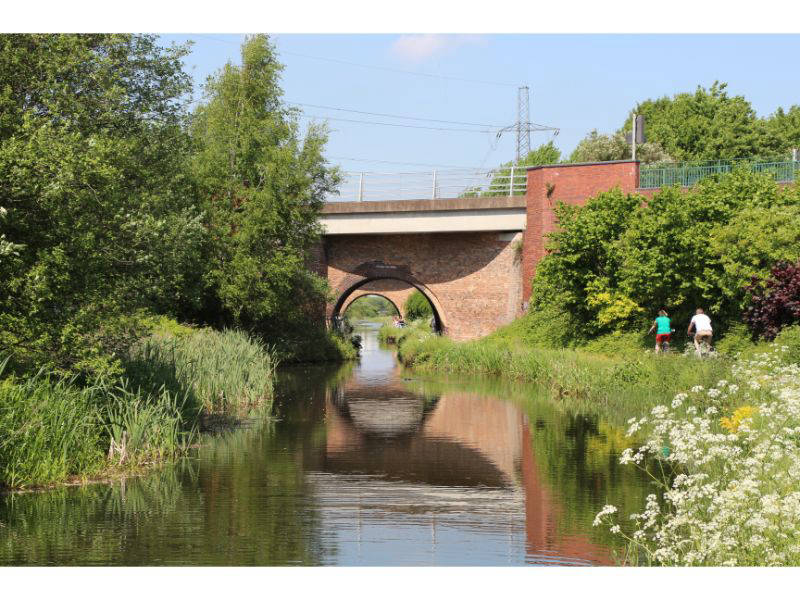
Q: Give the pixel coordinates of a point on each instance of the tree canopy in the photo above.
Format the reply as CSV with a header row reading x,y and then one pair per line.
x,y
616,261
707,124
263,187
117,202
95,200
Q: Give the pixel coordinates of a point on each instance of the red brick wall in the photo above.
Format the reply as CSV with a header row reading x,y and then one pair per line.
x,y
571,184
473,279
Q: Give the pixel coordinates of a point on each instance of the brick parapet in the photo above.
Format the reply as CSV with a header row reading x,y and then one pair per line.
x,y
571,184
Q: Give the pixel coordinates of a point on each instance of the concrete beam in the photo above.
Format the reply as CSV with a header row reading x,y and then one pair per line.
x,y
425,222
431,205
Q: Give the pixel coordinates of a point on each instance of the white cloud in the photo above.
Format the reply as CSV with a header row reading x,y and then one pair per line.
x,y
419,47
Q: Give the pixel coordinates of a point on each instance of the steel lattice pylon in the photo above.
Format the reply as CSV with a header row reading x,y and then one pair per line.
x,y
523,122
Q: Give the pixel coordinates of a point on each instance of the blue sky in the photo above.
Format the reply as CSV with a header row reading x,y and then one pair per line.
x,y
577,83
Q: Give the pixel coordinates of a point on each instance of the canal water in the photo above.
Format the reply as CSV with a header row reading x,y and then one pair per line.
x,y
363,464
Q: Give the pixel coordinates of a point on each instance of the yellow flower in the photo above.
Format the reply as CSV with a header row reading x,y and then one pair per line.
x,y
739,415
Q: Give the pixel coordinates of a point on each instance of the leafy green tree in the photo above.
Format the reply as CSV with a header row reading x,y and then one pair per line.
x,y
579,275
264,187
616,261
782,129
546,154
706,125
93,185
366,307
598,147
417,307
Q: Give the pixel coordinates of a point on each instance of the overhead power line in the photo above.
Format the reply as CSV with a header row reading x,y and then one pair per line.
x,y
363,112
403,125
393,70
397,162
379,68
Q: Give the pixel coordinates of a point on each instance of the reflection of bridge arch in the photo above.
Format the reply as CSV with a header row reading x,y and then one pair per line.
x,y
382,413
467,441
457,440
374,272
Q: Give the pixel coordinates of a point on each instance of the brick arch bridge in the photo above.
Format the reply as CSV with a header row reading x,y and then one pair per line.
x,y
473,258
473,280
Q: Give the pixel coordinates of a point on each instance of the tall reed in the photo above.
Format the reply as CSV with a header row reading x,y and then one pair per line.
x,y
52,428
219,372
49,430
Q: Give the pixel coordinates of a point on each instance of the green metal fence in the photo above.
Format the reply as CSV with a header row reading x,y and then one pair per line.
x,y
687,174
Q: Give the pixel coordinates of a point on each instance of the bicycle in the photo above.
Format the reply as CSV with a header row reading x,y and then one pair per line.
x,y
703,348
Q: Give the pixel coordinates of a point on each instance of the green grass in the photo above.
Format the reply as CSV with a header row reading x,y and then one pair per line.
x,y
389,334
616,385
53,429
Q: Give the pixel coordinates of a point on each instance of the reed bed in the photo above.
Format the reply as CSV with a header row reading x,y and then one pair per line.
x,y
49,429
224,372
53,429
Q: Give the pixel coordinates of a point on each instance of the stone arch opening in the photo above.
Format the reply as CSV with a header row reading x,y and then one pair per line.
x,y
351,301
439,324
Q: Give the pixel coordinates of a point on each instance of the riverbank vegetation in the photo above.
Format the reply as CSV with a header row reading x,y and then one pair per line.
x,y
718,436
175,384
389,333
127,207
725,465
614,385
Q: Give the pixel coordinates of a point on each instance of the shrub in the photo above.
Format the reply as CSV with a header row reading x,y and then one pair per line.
x,y
775,302
618,343
417,307
737,339
544,326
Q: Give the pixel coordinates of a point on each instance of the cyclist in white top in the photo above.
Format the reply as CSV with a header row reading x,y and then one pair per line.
x,y
702,327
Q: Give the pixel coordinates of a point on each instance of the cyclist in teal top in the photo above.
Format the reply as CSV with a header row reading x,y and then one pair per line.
x,y
663,331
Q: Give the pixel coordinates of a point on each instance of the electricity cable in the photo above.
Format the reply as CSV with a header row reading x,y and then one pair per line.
x,y
363,112
390,69
403,125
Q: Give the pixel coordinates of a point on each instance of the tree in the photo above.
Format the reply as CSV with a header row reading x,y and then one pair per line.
x,y
500,184
579,274
600,148
706,125
417,307
264,188
93,159
782,130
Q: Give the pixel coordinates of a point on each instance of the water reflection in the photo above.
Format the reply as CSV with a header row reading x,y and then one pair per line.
x,y
365,464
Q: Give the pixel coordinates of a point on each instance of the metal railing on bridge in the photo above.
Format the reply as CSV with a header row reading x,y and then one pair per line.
x,y
687,174
422,185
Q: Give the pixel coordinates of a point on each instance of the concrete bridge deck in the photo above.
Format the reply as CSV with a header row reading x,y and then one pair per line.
x,y
425,216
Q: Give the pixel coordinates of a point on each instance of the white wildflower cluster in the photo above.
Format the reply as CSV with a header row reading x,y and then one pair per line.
x,y
728,459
